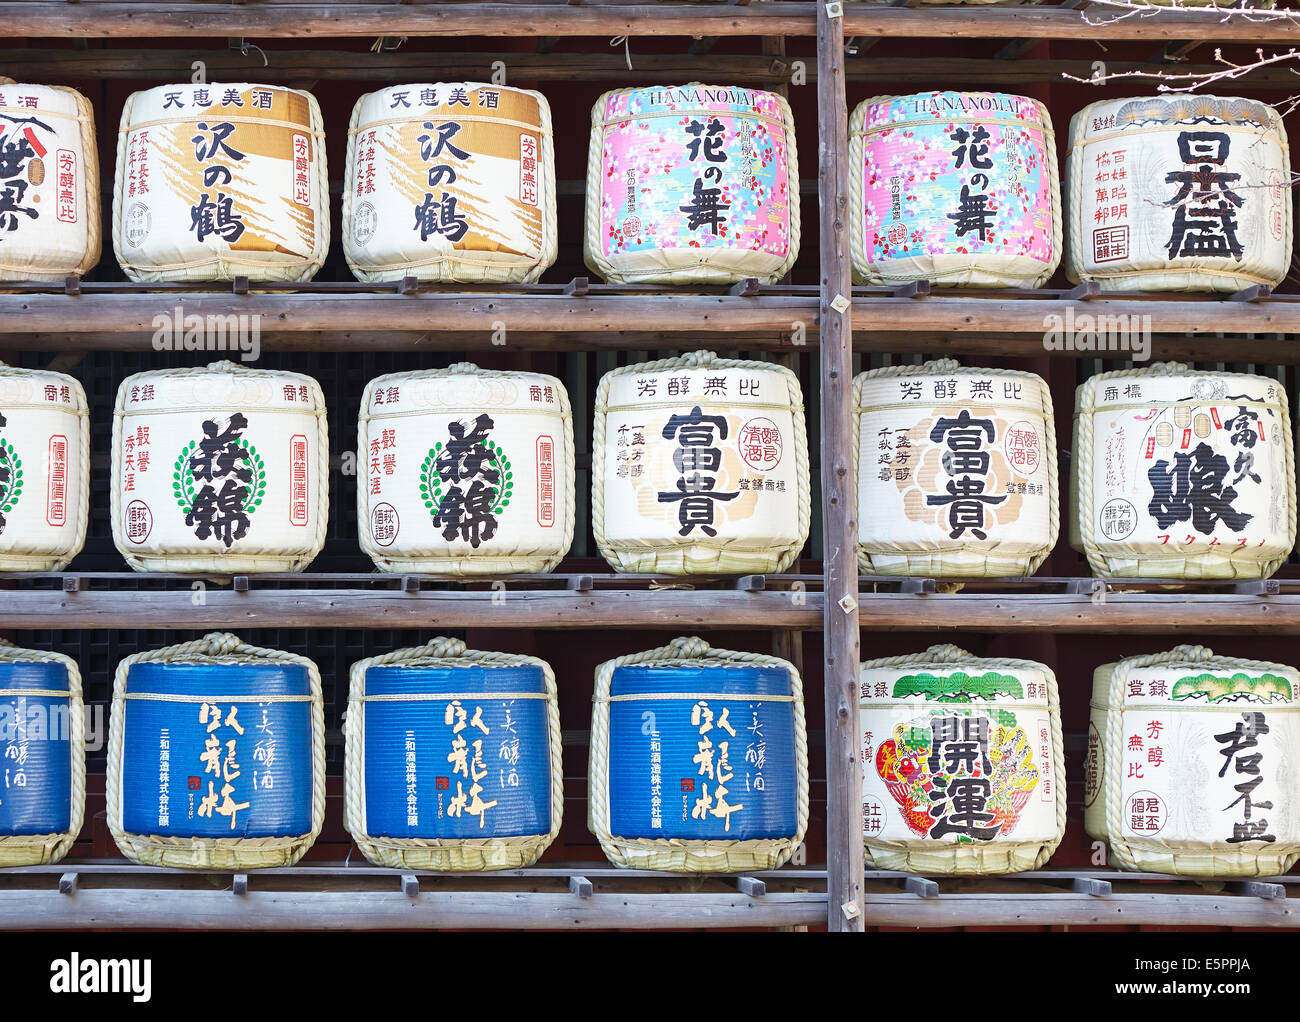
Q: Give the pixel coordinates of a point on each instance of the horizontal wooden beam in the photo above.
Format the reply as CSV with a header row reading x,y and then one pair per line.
x,y
339,608
37,18
1180,347
387,910
427,312
1127,613
1014,908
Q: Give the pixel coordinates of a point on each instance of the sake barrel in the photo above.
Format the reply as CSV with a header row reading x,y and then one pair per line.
x,y
44,469
955,188
1178,193
468,471
49,204
1193,763
963,763
216,756
697,184
700,465
453,758
956,470
240,480
450,182
1179,473
215,181
699,760
42,756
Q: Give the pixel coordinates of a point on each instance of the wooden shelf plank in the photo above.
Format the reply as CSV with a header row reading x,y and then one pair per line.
x,y
335,608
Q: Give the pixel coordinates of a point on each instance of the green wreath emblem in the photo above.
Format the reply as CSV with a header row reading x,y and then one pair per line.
x,y
183,482
11,489
431,484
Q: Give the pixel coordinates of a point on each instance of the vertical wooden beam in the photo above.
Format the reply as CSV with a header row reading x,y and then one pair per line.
x,y
844,850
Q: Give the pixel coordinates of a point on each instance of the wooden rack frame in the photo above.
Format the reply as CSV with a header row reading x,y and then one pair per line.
x,y
85,316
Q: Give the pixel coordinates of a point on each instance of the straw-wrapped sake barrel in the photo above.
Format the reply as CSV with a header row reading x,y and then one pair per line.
x,y
956,188
220,469
956,470
453,758
700,464
1178,193
963,763
450,182
44,469
1179,473
42,756
694,184
216,756
1194,763
699,760
49,201
467,471
217,181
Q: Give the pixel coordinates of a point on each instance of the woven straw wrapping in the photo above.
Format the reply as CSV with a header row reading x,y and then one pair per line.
x,y
678,855
235,560
1212,274
695,268
90,212
700,556
953,269
1082,511
450,854
38,849
1147,854
271,266
204,852
928,856
436,559
463,266
48,560
948,558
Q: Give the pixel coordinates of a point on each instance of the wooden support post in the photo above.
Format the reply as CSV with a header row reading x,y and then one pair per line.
x,y
844,849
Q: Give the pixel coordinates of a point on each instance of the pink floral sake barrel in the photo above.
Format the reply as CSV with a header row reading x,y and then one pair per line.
x,y
957,188
694,184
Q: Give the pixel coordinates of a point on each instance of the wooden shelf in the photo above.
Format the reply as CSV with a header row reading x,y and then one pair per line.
x,y
75,895
384,601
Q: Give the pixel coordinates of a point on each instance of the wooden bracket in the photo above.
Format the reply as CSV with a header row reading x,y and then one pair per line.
x,y
917,585
1254,293
751,886
72,285
580,583
410,583
1084,292
921,887
240,583
239,285
577,287
912,289
239,884
408,285
752,583
1258,587
1091,885
68,883
580,886
746,288
71,583
410,885
1258,889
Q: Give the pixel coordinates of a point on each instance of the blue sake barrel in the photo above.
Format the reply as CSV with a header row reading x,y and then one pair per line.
x,y
42,756
216,756
699,760
453,758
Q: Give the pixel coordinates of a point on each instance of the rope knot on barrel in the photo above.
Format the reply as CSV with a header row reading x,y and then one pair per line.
x,y
695,359
462,367
219,643
948,653
445,647
1191,653
689,646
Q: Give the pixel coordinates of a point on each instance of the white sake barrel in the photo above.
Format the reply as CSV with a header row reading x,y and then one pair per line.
x,y
1179,473
451,182
956,471
1178,193
467,471
217,181
963,763
700,464
693,184
220,469
44,469
956,188
1194,763
49,203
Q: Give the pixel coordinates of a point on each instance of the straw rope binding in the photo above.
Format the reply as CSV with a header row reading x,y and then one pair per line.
x,y
204,852
445,854
39,849
688,855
